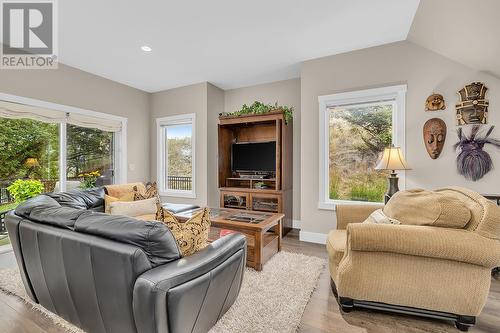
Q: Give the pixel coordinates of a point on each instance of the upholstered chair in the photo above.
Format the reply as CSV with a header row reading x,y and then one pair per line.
x,y
423,270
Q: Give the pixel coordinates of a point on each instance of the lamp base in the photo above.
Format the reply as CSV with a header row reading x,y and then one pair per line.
x,y
393,186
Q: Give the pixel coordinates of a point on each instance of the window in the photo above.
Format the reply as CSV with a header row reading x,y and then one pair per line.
x,y
176,155
62,147
355,127
89,150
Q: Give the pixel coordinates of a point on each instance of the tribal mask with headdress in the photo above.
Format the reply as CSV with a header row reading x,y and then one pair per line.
x,y
472,161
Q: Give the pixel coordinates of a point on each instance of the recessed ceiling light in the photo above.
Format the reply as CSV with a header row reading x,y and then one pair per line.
x,y
146,48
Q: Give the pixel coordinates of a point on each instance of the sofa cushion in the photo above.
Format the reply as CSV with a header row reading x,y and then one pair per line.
x,y
150,193
146,217
336,245
24,209
109,199
133,208
154,238
63,217
421,207
81,199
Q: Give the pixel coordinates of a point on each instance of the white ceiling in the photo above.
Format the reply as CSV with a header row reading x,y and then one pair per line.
x,y
463,30
231,43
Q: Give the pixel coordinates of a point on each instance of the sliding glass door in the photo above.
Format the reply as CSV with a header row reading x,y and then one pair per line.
x,y
89,157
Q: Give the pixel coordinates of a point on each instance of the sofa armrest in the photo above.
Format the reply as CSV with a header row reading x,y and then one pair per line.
x,y
353,213
172,295
425,241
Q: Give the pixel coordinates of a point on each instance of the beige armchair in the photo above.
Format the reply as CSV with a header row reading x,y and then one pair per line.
x,y
423,270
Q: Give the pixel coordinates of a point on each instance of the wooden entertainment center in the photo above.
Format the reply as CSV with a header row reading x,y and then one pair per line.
x,y
266,192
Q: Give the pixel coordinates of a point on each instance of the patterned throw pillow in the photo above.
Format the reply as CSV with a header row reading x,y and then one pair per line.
x,y
192,235
151,192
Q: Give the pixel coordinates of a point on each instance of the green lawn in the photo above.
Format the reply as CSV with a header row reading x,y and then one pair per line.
x,y
4,240
7,207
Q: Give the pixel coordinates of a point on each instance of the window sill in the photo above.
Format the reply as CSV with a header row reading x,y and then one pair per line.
x,y
332,204
178,194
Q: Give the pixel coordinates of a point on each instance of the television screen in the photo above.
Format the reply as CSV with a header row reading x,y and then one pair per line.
x,y
260,156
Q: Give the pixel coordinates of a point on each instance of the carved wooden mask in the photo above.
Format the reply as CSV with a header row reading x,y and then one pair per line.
x,y
434,136
435,102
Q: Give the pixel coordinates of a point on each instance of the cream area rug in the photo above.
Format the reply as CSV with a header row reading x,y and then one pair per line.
x,y
272,300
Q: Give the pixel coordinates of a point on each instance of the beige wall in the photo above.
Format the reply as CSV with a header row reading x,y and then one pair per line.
x,y
215,105
285,92
424,72
73,87
189,99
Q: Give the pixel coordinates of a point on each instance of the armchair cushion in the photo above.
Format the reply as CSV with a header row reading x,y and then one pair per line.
x,y
425,241
421,207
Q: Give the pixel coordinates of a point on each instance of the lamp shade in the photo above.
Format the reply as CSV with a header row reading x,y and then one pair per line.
x,y
392,159
31,162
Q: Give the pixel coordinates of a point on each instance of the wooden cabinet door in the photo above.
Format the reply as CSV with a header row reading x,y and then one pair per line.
x,y
237,200
266,202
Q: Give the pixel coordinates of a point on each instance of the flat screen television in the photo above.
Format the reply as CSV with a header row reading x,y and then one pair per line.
x,y
253,157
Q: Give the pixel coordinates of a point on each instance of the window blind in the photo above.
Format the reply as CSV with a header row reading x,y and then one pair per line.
x,y
22,111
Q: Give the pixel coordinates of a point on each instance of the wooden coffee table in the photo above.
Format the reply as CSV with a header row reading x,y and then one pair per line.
x,y
262,230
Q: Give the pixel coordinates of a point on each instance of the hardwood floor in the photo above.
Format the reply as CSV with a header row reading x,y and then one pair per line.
x,y
321,314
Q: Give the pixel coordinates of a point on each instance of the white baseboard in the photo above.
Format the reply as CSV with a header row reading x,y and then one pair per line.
x,y
296,224
312,237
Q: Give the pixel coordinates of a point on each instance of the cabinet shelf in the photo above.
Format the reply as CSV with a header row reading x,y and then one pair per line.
x,y
238,182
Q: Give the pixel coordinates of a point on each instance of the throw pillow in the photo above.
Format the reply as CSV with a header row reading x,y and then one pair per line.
x,y
121,190
192,235
109,199
421,207
378,216
133,208
151,192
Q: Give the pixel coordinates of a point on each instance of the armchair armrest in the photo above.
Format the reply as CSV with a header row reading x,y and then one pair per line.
x,y
353,213
169,288
425,241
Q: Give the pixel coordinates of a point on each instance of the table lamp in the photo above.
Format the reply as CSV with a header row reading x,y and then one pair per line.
x,y
393,160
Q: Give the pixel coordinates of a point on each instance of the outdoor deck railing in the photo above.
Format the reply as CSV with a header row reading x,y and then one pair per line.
x,y
179,183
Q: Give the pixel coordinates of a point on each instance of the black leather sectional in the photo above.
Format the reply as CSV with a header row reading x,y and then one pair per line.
x,y
116,274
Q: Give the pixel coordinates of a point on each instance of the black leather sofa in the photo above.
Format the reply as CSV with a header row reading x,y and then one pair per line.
x,y
116,274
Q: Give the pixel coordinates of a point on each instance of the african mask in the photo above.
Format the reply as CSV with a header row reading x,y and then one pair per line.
x,y
472,161
473,108
435,102
434,136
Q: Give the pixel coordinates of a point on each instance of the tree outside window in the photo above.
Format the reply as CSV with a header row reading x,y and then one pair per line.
x,y
358,134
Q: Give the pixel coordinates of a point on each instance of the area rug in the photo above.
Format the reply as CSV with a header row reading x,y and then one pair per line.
x,y
272,300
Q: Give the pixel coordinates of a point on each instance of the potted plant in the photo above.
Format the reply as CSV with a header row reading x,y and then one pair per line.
x,y
89,179
24,189
261,108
